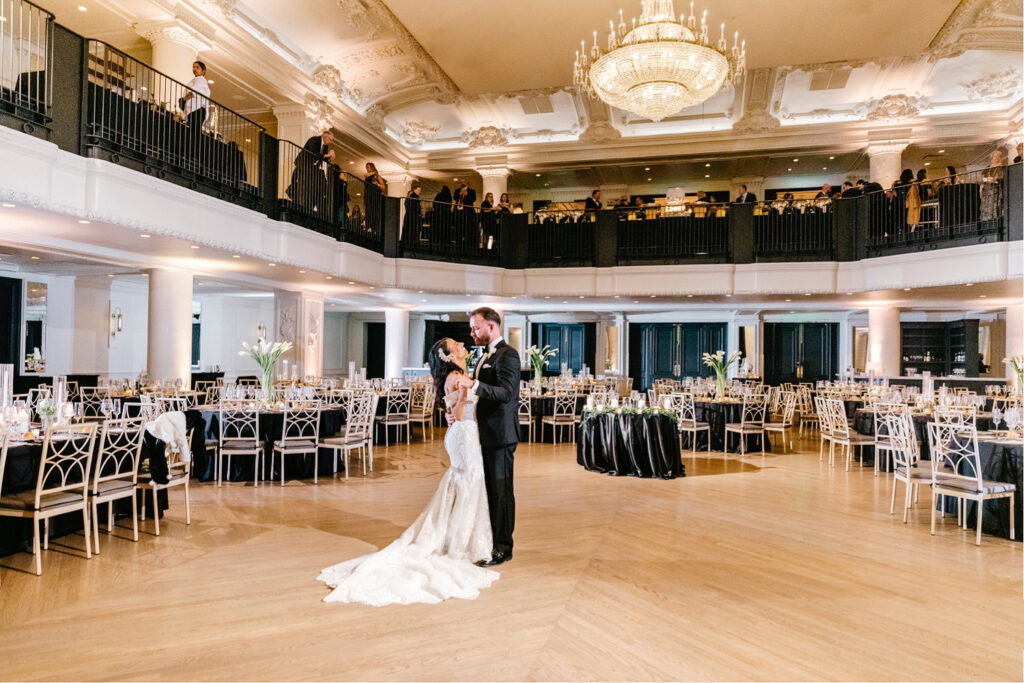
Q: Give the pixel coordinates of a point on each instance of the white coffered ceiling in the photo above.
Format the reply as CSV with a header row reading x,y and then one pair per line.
x,y
422,86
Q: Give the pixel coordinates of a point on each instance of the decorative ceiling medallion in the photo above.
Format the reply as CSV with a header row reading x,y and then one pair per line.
x,y
488,136
319,112
892,108
418,132
660,66
994,86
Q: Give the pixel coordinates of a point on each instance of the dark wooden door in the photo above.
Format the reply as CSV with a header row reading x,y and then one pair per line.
x,y
800,352
676,350
572,344
374,350
10,323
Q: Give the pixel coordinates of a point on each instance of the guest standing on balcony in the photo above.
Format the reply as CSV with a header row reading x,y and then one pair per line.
x,y
195,103
440,217
825,192
339,189
488,220
923,186
745,197
992,186
308,185
504,204
412,224
849,190
950,177
376,189
594,201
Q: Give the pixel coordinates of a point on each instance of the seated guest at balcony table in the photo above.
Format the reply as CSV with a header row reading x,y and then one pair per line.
x,y
594,201
638,201
195,104
745,197
850,191
504,205
788,198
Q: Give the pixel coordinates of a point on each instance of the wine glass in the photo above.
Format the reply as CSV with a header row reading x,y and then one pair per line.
x,y
997,415
117,407
106,406
78,412
1012,418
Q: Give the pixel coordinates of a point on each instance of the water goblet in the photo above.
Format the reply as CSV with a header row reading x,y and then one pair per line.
x,y
116,405
997,415
106,407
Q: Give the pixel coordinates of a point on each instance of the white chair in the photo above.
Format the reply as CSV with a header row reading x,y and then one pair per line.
x,y
842,435
358,432
524,413
564,415
62,486
824,428
899,430
396,411
179,471
116,473
751,422
883,441
240,436
686,420
300,434
421,411
785,423
956,472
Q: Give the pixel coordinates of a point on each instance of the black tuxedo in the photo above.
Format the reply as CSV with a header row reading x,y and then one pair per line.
x,y
496,416
592,204
746,198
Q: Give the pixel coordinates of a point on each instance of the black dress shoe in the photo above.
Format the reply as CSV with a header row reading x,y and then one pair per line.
x,y
497,557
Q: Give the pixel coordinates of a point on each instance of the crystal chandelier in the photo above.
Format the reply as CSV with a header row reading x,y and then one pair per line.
x,y
661,65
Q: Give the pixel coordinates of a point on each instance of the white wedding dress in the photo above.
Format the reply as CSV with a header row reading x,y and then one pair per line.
x,y
433,560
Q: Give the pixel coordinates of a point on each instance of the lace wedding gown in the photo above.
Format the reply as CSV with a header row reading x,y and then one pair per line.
x,y
433,559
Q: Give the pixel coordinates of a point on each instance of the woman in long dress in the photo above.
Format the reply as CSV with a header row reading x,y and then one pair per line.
x,y
434,559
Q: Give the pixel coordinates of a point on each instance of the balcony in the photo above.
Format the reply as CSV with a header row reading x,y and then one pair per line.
x,y
112,107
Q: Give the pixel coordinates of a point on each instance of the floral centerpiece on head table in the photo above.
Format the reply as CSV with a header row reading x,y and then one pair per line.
x,y
1017,363
266,355
720,364
538,360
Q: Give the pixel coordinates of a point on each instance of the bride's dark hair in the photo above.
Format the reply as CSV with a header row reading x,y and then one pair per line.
x,y
439,367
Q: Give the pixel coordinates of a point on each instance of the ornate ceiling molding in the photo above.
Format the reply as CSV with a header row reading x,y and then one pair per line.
x,y
994,86
979,24
488,137
893,108
417,132
319,112
174,30
759,90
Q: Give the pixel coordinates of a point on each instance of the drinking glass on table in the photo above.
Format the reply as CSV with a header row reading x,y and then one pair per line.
x,y
106,407
997,415
117,407
78,412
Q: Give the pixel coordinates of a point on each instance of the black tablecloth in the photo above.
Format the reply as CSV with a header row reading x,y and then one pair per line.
x,y
1000,462
717,415
630,445
297,466
22,471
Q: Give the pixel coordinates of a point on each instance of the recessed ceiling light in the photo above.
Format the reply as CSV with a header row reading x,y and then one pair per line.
x,y
707,165
636,302
6,205
248,139
789,169
145,237
565,302
424,300
689,296
650,179
788,300
983,296
927,163
82,8
271,264
538,175
653,296
193,246
616,296
110,275
302,271
35,258
351,163
807,293
201,284
831,158
824,168
728,295
84,222
547,184
969,284
795,160
582,297
145,275
707,175
420,292
211,82
329,277
236,256
547,297
371,287
647,168
942,151
906,289
350,281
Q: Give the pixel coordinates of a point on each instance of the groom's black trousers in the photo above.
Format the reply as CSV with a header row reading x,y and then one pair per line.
x,y
500,498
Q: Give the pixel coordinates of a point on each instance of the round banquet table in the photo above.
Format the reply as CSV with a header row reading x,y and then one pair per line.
x,y
21,473
645,446
1001,460
717,414
864,423
297,466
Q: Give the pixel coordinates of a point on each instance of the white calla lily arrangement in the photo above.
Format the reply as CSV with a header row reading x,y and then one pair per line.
x,y
266,356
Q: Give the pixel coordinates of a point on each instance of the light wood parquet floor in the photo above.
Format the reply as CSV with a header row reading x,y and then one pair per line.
x,y
781,568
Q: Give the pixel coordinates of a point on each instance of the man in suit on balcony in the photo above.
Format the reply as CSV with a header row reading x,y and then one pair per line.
x,y
308,179
745,197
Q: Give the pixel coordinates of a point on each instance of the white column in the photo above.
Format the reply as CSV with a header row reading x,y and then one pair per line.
x,y
495,179
396,341
621,322
417,338
732,343
1014,338
845,344
175,47
312,326
884,341
886,160
293,125
399,183
169,355
759,347
299,319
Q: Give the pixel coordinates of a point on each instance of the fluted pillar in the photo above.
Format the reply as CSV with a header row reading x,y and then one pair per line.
x,y
399,182
884,341
495,179
886,160
175,47
169,352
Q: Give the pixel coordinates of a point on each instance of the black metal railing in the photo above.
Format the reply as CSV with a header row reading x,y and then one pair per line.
x,y
960,208
440,230
309,188
561,238
26,53
136,111
673,234
363,214
793,230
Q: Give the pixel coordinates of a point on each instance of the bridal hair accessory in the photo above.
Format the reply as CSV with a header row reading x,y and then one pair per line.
x,y
444,356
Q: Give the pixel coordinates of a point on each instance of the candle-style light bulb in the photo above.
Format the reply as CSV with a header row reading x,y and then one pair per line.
x,y
735,38
723,31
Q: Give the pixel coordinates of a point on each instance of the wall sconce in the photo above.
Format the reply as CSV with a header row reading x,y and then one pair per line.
x,y
261,333
116,322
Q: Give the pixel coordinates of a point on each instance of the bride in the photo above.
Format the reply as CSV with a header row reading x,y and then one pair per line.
x,y
433,560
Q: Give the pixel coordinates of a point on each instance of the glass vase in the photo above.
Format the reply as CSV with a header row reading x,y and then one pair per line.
x,y
719,386
267,385
538,379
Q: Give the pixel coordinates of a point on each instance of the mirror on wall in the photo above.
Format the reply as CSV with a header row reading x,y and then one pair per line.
x,y
860,350
747,340
34,349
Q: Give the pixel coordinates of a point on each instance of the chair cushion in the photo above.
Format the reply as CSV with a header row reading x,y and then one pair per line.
x,y
743,428
303,446
559,419
240,446
111,486
692,425
777,426
971,485
916,472
341,440
173,477
26,500
855,438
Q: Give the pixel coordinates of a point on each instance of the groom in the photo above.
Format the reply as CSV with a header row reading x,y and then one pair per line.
x,y
496,383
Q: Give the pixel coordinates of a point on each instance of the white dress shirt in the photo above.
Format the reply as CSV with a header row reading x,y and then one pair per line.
x,y
201,87
490,350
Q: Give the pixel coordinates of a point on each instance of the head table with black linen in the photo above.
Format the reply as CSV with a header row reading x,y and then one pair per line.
x,y
630,444
21,472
